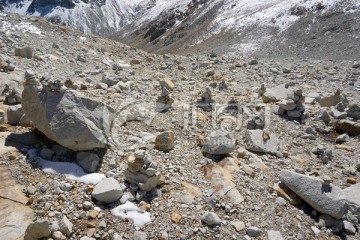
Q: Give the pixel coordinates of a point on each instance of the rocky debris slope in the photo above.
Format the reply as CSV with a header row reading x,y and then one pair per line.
x,y
219,162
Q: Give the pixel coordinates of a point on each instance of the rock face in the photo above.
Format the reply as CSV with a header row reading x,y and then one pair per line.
x,y
325,198
37,230
260,141
218,143
107,191
71,120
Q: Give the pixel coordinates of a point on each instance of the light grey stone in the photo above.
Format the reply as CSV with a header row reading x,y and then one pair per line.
x,y
65,226
218,142
349,227
14,114
74,121
140,235
107,191
211,218
273,235
325,198
255,141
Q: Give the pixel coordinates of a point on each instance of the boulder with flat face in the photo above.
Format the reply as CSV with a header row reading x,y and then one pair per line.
x,y
324,197
67,117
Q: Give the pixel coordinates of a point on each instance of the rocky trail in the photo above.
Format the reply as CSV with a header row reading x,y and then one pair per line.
x,y
109,142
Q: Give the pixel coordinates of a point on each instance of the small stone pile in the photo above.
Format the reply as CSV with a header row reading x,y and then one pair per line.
x,y
205,101
164,101
325,155
293,105
142,171
56,86
12,96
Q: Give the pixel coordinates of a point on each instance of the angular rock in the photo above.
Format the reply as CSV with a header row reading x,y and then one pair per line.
x,y
144,181
260,141
88,161
140,235
167,83
65,226
107,191
14,114
25,52
210,218
238,225
323,115
221,180
253,231
329,222
164,141
354,111
276,93
273,235
331,100
37,230
325,198
349,127
218,143
352,198
68,118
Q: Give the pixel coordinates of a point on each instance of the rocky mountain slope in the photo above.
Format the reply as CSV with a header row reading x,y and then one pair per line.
x,y
274,28
110,142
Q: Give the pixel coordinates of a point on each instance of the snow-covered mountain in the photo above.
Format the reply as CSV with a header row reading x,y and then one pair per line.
x,y
91,16
184,26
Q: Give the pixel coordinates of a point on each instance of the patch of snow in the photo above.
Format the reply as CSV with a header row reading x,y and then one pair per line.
x,y
71,171
131,212
22,26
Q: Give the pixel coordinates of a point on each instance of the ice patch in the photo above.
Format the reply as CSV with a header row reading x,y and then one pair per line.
x,y
129,211
71,171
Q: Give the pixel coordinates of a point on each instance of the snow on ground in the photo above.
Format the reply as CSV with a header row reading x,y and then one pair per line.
x,y
71,171
131,212
7,27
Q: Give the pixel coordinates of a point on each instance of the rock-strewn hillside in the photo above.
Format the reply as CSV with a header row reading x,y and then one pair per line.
x,y
110,142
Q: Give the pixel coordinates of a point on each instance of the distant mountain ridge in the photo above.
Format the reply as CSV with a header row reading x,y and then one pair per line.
x,y
225,26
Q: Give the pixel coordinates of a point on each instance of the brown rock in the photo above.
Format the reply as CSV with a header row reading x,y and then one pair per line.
x,y
175,217
135,164
349,127
167,83
164,141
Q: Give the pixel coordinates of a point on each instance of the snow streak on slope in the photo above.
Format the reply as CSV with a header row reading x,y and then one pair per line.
x,y
239,15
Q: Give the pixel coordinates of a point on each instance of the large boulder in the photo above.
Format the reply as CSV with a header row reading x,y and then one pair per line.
x,y
324,197
107,191
218,143
261,141
73,121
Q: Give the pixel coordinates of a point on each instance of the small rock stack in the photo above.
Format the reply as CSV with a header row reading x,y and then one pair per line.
x,y
142,171
205,101
293,105
12,96
56,86
164,101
